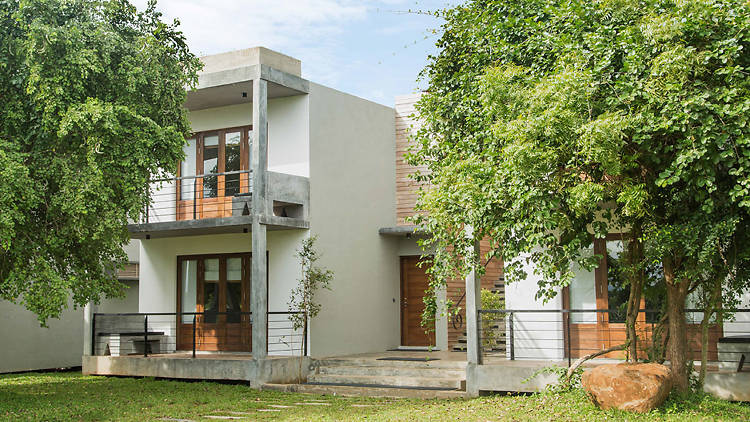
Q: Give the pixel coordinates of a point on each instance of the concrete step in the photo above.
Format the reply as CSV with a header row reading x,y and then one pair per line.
x,y
369,362
369,391
389,381
385,371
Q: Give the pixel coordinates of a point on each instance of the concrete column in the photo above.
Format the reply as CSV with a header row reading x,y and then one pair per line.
x,y
258,290
88,317
259,267
473,297
259,165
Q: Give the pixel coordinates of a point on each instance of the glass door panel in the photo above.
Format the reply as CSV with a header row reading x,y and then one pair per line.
x,y
188,288
618,291
210,165
187,168
232,159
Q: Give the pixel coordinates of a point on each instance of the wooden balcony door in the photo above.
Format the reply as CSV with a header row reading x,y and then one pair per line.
x,y
211,154
219,287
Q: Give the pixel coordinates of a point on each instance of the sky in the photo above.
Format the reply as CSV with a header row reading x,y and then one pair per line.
x,y
374,49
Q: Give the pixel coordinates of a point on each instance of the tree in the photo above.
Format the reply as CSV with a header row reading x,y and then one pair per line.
x,y
550,123
93,95
302,304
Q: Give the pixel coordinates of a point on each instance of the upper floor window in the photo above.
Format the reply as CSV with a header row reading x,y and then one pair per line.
x,y
213,154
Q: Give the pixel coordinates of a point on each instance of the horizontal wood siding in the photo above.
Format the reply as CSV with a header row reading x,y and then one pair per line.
x,y
406,188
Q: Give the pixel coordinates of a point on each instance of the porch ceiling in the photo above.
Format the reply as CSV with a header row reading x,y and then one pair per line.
x,y
226,87
231,94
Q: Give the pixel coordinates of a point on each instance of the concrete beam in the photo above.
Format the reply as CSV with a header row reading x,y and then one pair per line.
x,y
288,80
228,76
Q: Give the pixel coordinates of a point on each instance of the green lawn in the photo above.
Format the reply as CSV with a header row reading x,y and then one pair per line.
x,y
72,396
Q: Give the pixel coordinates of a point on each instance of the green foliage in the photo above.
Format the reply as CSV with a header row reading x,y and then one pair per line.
x,y
564,383
314,278
491,332
93,95
548,123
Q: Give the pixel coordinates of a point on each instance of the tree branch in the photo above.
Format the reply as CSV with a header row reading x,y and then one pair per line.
x,y
582,359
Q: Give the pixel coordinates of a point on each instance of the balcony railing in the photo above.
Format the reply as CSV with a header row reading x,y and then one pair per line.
x,y
570,334
165,333
210,195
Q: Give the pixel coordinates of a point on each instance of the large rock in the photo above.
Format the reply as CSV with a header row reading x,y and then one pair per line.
x,y
637,387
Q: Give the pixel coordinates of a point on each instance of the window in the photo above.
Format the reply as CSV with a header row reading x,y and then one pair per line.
x,y
213,154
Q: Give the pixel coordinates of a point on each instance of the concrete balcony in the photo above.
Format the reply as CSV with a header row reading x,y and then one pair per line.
x,y
221,203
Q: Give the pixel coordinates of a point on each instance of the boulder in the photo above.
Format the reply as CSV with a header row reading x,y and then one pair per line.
x,y
636,387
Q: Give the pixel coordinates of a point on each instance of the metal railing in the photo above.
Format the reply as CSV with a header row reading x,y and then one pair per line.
x,y
163,333
569,334
209,195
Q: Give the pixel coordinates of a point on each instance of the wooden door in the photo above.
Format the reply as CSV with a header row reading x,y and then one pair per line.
x,y
414,283
591,332
215,153
222,296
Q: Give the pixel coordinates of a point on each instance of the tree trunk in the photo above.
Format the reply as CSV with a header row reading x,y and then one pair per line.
x,y
713,303
677,352
637,279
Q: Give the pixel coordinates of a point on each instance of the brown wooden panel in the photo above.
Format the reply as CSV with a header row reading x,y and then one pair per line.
x,y
414,282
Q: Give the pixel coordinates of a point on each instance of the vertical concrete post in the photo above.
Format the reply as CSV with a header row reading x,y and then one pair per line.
x,y
88,341
473,298
258,291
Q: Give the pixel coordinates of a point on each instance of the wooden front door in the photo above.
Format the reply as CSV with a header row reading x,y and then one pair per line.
x,y
414,283
218,288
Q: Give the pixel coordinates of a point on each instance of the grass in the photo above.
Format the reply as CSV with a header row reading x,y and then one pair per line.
x,y
72,396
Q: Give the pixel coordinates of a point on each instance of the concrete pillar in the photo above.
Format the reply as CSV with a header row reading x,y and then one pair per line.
x,y
88,317
258,293
261,207
473,297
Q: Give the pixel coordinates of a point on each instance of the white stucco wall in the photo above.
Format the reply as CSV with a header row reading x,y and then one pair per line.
x,y
288,125
536,335
27,346
352,189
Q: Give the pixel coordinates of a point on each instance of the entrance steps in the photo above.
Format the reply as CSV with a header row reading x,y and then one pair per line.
x,y
370,376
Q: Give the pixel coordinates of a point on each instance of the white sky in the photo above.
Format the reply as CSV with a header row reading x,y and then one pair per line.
x,y
367,48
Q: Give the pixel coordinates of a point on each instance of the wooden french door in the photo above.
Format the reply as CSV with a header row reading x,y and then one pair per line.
x,y
606,289
414,283
218,286
211,154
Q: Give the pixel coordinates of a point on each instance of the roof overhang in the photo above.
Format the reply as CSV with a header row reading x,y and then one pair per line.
x,y
403,231
235,86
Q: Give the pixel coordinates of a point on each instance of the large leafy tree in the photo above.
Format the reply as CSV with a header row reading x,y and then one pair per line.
x,y
92,107
549,123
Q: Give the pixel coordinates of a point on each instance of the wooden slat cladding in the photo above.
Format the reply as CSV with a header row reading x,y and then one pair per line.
x,y
406,188
493,279
406,199
130,272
